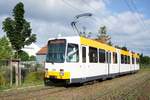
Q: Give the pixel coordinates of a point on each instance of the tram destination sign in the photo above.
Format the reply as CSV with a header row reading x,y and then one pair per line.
x,y
57,41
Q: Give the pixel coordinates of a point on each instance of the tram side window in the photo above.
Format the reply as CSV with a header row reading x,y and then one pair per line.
x,y
83,54
114,57
137,61
132,60
122,59
125,59
101,56
108,57
93,55
128,59
72,53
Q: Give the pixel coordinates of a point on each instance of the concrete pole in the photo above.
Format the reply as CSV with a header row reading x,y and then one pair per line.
x,y
16,70
19,67
11,72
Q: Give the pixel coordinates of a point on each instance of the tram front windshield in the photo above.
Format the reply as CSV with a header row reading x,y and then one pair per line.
x,y
56,51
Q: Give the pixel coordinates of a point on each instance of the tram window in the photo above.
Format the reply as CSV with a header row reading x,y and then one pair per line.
x,y
101,56
128,57
122,59
114,57
83,54
125,59
72,53
108,56
93,55
137,61
132,60
56,51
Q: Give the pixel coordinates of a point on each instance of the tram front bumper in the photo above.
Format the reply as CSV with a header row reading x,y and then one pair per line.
x,y
57,75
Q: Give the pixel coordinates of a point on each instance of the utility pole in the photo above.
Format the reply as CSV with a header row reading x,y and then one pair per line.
x,y
11,72
17,72
19,67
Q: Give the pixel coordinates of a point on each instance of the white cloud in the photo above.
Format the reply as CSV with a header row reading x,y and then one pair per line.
x,y
32,49
126,30
50,17
60,11
45,30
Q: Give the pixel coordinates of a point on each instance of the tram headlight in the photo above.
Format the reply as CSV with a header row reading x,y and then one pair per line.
x,y
61,72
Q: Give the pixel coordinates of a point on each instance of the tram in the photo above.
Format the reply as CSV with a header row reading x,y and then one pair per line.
x,y
77,59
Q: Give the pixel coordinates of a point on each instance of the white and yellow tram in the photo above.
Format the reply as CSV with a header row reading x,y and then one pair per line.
x,y
77,60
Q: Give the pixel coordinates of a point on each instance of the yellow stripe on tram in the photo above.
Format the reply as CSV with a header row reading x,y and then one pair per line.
x,y
57,75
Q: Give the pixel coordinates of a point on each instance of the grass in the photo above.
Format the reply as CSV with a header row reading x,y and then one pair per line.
x,y
21,87
143,66
32,79
2,88
141,93
138,88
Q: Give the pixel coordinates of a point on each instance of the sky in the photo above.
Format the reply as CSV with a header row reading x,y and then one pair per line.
x,y
127,21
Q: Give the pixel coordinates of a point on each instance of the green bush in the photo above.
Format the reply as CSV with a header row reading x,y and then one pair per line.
x,y
34,77
2,80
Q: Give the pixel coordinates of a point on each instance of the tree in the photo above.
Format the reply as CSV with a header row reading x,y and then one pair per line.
x,y
103,37
110,43
32,58
144,59
117,46
23,56
5,48
124,48
18,29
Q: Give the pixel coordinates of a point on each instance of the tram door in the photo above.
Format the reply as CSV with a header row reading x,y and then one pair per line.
x,y
108,57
